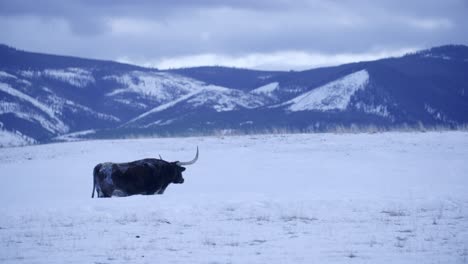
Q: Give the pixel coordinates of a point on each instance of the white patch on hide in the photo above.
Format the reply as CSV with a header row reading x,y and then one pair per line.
x,y
106,168
119,193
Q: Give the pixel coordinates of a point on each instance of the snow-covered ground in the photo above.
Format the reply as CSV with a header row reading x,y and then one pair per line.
x,y
319,198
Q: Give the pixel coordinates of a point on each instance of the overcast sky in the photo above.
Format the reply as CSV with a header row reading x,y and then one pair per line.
x,y
261,34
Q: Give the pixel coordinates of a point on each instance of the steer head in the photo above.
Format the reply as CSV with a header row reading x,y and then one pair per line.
x,y
179,169
178,173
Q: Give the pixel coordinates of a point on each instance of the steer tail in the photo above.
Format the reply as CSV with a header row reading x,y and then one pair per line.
x,y
95,173
94,187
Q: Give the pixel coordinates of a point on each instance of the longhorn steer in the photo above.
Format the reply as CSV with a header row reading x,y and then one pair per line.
x,y
146,176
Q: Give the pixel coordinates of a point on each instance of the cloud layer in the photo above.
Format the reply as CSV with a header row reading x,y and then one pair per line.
x,y
275,34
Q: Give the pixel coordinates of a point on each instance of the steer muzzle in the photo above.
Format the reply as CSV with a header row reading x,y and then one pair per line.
x,y
181,180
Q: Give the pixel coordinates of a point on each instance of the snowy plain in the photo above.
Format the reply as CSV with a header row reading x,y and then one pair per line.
x,y
299,198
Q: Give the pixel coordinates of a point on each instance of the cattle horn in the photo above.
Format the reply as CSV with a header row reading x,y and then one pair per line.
x,y
182,163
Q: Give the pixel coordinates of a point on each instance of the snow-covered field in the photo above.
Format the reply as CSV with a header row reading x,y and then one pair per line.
x,y
319,198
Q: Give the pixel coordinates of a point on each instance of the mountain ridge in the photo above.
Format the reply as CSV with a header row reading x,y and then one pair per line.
x,y
45,96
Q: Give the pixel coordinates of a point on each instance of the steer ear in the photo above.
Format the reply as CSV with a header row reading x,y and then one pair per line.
x,y
181,163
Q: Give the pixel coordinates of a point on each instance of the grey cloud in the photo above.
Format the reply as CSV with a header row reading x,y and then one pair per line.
x,y
160,29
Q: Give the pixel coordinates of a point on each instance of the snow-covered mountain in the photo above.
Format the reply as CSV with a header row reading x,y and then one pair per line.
x,y
335,95
43,97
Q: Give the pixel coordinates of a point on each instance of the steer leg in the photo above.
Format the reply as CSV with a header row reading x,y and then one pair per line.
x,y
163,188
99,191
